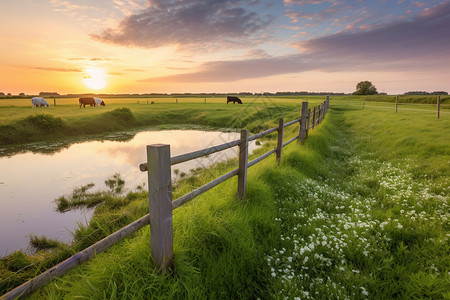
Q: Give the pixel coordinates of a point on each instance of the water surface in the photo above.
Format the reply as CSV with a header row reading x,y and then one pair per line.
x,y
30,181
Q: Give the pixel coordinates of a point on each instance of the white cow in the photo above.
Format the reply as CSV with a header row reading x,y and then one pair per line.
x,y
99,102
38,102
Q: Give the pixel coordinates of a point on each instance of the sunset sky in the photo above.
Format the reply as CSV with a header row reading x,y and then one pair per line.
x,y
179,46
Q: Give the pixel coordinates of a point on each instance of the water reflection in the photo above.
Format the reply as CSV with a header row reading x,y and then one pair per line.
x,y
29,182
57,146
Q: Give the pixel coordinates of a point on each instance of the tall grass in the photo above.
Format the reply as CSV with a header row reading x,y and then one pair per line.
x,y
371,219
22,125
359,211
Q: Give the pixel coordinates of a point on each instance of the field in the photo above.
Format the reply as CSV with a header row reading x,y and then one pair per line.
x,y
359,211
22,124
19,123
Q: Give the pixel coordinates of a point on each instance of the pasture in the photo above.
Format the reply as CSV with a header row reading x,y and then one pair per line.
x,y
19,123
359,211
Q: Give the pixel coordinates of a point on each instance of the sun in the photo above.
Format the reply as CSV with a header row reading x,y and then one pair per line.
x,y
95,78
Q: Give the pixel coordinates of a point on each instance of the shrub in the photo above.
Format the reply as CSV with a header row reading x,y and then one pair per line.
x,y
121,115
43,122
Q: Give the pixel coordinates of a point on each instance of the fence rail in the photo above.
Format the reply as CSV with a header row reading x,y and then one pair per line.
x,y
161,219
158,168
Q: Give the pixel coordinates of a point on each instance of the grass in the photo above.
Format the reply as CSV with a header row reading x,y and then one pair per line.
x,y
359,211
70,121
67,120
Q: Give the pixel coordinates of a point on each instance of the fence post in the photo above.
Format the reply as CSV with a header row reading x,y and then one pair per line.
x,y
314,117
438,105
308,122
320,112
318,115
160,203
396,103
303,122
280,139
243,160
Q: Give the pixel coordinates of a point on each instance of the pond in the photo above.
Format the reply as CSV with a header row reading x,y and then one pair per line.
x,y
31,180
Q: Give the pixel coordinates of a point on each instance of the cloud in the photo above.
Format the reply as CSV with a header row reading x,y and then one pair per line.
x,y
65,6
426,37
54,69
304,2
89,59
128,7
420,44
135,70
187,23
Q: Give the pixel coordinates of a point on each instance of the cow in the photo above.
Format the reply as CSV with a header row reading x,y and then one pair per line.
x,y
99,102
233,99
87,101
38,102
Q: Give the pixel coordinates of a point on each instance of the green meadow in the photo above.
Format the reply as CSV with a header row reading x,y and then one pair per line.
x,y
359,211
19,123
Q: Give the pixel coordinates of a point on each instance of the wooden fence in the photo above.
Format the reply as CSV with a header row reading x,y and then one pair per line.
x,y
159,164
158,168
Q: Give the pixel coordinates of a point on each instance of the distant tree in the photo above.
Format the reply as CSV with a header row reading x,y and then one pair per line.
x,y
365,88
439,93
22,94
2,94
417,93
48,94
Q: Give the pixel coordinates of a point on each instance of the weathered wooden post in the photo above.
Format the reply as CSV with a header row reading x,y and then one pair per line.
x,y
243,160
438,105
160,203
318,115
280,139
303,120
308,122
314,117
321,113
396,103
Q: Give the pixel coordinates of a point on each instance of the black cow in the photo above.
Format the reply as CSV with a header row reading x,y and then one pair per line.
x,y
233,99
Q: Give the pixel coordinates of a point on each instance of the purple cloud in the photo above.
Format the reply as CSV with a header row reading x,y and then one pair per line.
x,y
304,2
419,44
187,23
426,37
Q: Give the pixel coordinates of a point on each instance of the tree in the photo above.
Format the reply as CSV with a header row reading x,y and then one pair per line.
x,y
365,88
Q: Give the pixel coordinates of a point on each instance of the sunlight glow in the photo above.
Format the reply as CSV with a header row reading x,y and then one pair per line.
x,y
95,78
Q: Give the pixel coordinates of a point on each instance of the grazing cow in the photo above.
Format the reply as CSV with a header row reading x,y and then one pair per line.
x,y
87,101
233,99
99,102
38,102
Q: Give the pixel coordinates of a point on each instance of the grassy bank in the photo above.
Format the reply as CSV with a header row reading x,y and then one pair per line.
x,y
359,211
24,124
19,123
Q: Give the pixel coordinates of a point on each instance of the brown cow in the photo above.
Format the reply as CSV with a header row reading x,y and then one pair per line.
x,y
87,101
